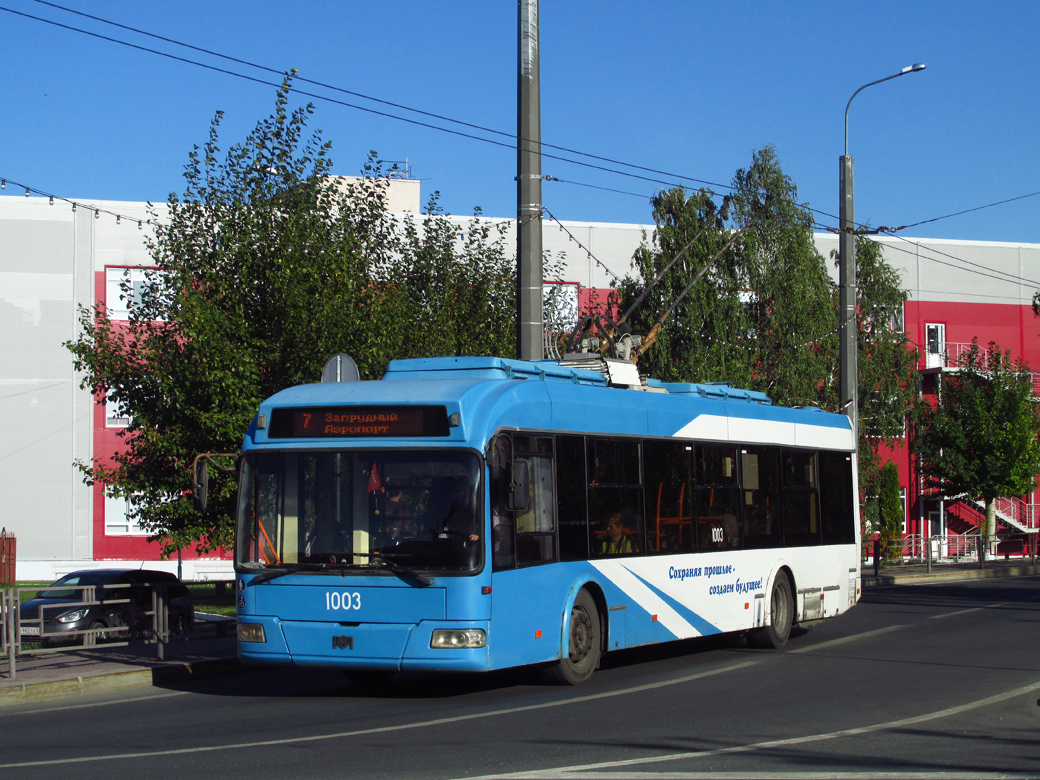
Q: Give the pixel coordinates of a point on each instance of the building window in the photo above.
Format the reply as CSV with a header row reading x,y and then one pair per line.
x,y
118,302
117,518
897,324
113,417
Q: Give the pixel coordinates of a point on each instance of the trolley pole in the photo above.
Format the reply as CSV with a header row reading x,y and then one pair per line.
x,y
529,336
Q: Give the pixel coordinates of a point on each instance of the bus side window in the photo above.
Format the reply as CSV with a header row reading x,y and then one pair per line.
x,y
535,525
836,499
718,498
668,477
572,498
760,492
615,488
801,498
502,522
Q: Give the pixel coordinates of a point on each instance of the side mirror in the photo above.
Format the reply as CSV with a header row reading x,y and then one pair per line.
x,y
519,497
200,485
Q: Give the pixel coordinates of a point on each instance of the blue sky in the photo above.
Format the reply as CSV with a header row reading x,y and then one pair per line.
x,y
688,88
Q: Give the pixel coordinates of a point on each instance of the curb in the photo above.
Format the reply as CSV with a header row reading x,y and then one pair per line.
x,y
881,580
20,693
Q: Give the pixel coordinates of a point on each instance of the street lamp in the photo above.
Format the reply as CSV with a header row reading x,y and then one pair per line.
x,y
848,379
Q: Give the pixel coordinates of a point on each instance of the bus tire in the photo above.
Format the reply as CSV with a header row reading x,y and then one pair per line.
x,y
581,656
781,616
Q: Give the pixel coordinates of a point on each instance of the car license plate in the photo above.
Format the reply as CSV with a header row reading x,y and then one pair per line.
x,y
30,630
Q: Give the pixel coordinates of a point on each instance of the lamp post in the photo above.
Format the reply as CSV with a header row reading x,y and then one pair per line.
x,y
848,374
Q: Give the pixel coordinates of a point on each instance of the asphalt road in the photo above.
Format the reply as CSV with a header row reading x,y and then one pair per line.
x,y
937,681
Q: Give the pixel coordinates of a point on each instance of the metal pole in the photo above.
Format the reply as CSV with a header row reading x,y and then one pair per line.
x,y
848,358
848,374
12,629
529,345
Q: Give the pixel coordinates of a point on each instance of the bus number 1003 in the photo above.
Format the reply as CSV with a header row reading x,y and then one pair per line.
x,y
335,600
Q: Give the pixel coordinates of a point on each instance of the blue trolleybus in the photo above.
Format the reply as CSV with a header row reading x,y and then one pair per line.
x,y
482,513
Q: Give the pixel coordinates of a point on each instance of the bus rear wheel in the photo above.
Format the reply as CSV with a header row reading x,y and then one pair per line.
x,y
581,656
781,616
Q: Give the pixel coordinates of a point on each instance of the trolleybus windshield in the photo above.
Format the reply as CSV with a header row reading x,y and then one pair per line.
x,y
305,510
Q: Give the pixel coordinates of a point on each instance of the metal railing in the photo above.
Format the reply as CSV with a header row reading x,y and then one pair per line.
x,y
929,551
952,354
27,636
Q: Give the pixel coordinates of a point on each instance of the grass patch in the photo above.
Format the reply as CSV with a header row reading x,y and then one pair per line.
x,y
213,597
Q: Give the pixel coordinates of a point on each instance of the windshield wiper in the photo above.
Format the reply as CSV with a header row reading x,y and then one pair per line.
x,y
270,574
395,567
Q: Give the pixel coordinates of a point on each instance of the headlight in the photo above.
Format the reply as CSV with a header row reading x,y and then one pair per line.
x,y
251,632
72,617
458,637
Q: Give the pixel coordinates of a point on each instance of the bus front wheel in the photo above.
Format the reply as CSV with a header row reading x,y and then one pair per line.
x,y
781,616
581,656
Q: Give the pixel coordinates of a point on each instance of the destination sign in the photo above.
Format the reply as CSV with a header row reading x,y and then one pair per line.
x,y
349,422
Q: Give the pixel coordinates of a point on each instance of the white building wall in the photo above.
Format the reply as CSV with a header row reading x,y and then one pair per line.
x,y
49,256
951,271
46,419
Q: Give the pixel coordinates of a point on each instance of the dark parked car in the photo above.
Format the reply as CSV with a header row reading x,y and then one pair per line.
x,y
124,598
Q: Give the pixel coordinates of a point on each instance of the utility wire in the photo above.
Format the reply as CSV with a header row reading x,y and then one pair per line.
x,y
510,145
969,211
1003,277
431,115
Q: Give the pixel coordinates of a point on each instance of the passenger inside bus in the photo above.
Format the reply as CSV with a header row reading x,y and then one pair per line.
x,y
617,542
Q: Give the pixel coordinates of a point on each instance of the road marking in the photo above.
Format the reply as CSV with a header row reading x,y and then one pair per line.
x,y
844,639
970,609
797,776
58,707
597,769
386,729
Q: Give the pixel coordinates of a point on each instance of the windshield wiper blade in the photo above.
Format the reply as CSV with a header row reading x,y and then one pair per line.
x,y
270,574
396,567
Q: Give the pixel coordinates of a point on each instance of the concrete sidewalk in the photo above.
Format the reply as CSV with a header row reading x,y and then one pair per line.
x,y
948,572
204,654
72,671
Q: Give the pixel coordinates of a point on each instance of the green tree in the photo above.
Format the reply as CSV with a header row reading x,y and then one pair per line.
x,y
265,268
888,375
890,509
981,440
454,290
696,344
765,314
762,316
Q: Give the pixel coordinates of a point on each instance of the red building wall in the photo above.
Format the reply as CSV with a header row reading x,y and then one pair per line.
x,y
132,546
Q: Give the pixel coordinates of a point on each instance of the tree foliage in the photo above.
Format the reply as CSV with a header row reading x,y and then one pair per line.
x,y
888,375
890,508
762,316
981,440
765,314
266,267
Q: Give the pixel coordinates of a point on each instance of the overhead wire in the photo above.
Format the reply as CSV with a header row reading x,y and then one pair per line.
x,y
512,145
401,107
981,269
